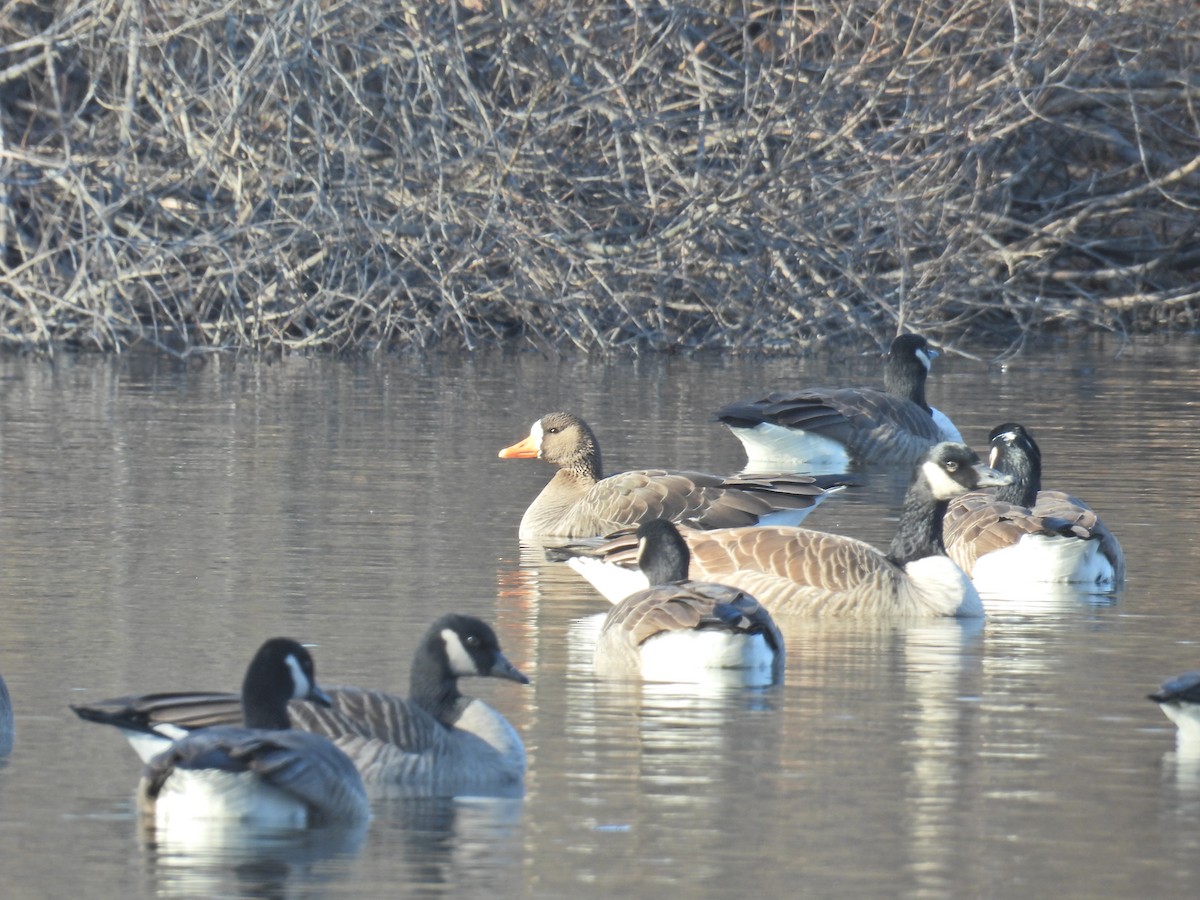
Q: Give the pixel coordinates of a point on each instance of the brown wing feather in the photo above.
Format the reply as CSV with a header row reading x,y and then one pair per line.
x,y
977,524
693,498
685,606
875,426
1063,506
794,570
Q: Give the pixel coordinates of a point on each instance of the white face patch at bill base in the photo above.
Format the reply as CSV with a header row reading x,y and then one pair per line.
x,y
940,482
461,662
535,434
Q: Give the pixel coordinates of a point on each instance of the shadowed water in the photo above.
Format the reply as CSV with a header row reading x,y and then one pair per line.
x,y
158,520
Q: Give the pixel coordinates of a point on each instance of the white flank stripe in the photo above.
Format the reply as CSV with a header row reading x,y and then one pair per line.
x,y
613,581
695,656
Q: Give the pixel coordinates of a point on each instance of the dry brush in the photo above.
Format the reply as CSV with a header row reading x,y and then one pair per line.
x,y
345,176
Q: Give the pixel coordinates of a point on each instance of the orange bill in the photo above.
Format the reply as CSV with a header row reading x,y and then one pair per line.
x,y
525,449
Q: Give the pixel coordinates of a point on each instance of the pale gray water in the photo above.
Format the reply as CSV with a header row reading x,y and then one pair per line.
x,y
157,521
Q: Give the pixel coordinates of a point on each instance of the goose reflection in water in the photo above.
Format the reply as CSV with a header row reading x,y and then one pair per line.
x,y
221,858
462,847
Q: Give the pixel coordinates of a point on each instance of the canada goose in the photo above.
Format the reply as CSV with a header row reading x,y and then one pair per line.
x,y
676,629
834,429
6,720
435,742
1179,698
1019,533
580,502
264,773
795,571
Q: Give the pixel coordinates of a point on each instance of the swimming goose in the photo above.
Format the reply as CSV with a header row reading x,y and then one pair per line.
x,y
795,571
435,743
264,773
1179,699
834,429
580,502
6,720
1020,534
677,629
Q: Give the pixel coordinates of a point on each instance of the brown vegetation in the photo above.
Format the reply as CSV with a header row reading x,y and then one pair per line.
x,y
324,174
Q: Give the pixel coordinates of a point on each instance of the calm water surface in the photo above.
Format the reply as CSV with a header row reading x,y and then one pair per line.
x,y
158,520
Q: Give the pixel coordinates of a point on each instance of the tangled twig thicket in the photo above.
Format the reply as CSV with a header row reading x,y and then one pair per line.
x,y
751,175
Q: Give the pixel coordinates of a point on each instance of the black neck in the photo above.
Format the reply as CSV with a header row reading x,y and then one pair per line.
x,y
919,533
263,704
664,558
1026,473
906,378
432,689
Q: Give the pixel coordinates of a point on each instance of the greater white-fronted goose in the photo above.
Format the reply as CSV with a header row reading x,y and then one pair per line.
x,y
580,502
837,429
678,629
1019,533
262,773
433,743
795,571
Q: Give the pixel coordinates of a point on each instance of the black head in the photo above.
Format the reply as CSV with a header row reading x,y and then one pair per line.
x,y
1014,452
281,670
465,645
907,364
1011,441
912,346
1181,689
662,552
950,469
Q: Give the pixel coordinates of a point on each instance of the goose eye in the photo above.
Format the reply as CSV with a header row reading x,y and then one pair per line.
x,y
951,466
472,641
553,429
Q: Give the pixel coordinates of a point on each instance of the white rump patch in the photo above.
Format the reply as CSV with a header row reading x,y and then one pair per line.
x,y
941,588
1186,717
704,656
1043,558
191,795
613,581
149,746
774,447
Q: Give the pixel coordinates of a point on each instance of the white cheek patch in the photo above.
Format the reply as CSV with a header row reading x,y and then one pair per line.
x,y
943,486
300,683
641,553
461,662
535,434
925,358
